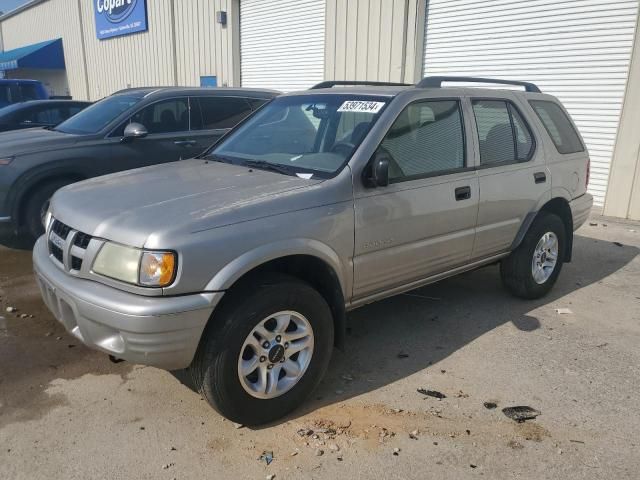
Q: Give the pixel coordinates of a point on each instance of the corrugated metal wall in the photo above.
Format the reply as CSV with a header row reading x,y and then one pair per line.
x,y
374,40
282,43
203,46
184,42
578,50
144,59
37,25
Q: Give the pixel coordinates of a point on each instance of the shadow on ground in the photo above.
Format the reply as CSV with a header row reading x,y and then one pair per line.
x,y
433,322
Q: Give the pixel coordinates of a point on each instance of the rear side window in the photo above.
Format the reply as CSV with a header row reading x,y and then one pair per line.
x,y
558,126
503,134
426,139
5,95
256,103
223,112
29,92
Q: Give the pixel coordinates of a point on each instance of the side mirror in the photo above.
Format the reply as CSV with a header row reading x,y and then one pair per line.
x,y
377,172
134,130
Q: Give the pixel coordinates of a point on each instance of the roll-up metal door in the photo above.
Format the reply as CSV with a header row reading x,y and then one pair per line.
x,y
578,50
282,43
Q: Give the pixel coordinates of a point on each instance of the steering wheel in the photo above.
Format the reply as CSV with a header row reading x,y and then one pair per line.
x,y
343,147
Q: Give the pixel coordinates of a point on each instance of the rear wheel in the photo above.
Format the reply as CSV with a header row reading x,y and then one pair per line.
x,y
533,268
267,349
37,205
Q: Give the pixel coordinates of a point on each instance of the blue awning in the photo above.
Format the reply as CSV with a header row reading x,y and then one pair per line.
x,y
39,55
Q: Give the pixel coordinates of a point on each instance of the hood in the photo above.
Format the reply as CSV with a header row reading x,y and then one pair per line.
x,y
31,140
180,197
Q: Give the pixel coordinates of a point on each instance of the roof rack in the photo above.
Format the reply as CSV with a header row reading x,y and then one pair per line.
x,y
333,83
436,82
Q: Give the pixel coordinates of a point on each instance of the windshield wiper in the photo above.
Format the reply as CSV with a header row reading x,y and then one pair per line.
x,y
274,167
218,158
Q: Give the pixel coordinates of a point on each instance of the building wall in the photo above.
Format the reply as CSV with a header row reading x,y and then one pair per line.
x,y
183,42
623,194
37,24
374,40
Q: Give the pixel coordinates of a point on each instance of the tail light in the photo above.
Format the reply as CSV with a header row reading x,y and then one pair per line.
x,y
586,183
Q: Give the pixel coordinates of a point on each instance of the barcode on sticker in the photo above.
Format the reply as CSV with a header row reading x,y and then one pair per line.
x,y
361,106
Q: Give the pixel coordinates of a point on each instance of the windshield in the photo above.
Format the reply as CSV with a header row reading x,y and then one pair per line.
x,y
94,118
303,134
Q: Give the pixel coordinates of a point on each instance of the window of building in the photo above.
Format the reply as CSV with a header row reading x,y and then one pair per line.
x,y
558,125
502,132
427,138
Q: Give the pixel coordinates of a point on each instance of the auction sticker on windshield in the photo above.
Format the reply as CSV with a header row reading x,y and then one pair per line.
x,y
361,106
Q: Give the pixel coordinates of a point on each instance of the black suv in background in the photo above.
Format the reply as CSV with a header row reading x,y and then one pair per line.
x,y
38,113
130,129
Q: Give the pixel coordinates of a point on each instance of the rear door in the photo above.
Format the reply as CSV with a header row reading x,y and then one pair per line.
x,y
213,116
423,223
512,173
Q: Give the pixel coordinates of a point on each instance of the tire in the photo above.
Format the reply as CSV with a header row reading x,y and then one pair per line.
x,y
517,270
216,367
37,202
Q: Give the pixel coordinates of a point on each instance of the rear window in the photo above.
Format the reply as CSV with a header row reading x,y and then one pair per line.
x,y
558,125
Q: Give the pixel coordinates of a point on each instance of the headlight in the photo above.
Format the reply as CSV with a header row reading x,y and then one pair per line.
x,y
138,267
6,160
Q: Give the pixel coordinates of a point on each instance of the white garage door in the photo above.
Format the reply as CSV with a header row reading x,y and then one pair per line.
x,y
282,43
578,50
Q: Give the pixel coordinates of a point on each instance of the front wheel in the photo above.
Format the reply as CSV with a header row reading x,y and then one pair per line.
x,y
532,269
36,208
266,350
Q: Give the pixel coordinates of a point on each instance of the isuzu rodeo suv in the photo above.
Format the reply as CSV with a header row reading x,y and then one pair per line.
x,y
241,264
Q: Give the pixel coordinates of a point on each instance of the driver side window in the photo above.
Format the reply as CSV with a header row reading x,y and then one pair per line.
x,y
165,116
426,139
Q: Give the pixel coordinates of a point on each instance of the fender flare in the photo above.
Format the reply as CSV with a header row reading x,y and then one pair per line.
x,y
554,193
227,276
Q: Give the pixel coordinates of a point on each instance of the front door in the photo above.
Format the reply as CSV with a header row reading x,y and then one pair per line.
x,y
424,222
169,138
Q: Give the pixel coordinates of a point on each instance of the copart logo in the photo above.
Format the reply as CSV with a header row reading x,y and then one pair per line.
x,y
116,10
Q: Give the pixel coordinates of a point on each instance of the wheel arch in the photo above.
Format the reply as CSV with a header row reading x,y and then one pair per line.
x,y
33,183
308,260
558,205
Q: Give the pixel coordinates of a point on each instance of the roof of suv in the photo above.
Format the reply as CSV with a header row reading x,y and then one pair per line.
x,y
169,91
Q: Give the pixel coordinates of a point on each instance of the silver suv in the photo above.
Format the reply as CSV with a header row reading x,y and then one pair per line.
x,y
242,263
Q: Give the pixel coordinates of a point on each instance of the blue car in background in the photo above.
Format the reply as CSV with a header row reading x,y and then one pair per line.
x,y
15,91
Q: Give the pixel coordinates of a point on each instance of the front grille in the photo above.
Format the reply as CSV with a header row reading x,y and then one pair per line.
x,y
55,251
81,241
60,229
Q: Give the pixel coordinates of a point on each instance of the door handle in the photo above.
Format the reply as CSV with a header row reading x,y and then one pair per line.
x,y
185,143
540,177
463,193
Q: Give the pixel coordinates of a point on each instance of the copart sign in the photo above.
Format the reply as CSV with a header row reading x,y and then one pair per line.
x,y
119,17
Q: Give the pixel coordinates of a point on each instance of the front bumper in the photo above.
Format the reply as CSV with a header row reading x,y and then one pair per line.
x,y
160,331
580,209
